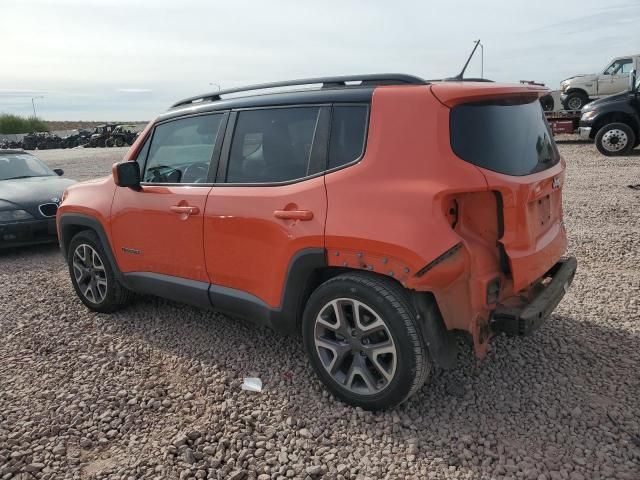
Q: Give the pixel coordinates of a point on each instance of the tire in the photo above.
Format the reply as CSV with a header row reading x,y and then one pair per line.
x,y
342,355
119,142
615,139
108,142
91,270
547,103
575,101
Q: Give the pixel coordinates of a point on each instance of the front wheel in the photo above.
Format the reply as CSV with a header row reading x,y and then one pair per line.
x,y
93,276
615,139
575,101
363,340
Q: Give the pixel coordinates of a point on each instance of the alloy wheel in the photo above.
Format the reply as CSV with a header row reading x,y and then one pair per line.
x,y
355,346
615,140
575,103
89,273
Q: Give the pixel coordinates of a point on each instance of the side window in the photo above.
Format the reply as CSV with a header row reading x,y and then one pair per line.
x,y
348,134
180,151
272,145
626,66
622,66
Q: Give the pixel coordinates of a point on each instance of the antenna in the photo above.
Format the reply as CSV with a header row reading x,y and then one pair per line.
x,y
460,76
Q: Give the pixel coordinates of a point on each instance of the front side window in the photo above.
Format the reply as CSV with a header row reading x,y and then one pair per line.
x,y
272,145
508,136
180,151
622,66
348,134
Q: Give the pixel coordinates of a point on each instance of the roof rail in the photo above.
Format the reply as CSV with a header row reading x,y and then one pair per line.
x,y
326,82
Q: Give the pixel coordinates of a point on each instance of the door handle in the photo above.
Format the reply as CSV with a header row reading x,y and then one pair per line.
x,y
184,209
304,215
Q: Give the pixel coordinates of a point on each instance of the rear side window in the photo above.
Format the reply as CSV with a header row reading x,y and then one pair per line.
x,y
181,150
348,132
506,136
272,145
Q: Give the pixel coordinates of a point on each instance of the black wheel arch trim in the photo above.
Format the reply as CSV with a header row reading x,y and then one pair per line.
x,y
68,224
625,115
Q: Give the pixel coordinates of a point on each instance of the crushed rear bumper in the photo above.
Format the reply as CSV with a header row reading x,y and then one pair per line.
x,y
526,318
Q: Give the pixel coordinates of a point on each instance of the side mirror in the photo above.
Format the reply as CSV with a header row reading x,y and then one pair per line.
x,y
58,171
127,174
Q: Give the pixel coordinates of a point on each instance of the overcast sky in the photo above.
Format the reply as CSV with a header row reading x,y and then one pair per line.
x,y
130,59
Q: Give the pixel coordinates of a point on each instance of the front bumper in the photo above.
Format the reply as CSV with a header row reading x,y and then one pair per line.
x,y
29,232
526,318
584,132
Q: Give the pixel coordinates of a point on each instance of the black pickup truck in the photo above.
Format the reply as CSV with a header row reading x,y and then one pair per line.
x,y
614,121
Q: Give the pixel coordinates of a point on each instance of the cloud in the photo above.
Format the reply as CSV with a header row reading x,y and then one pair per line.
x,y
134,90
21,93
98,58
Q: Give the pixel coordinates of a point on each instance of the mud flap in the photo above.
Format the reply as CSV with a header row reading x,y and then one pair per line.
x,y
441,343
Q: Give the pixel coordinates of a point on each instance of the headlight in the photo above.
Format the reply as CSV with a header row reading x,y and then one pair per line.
x,y
586,116
13,215
563,87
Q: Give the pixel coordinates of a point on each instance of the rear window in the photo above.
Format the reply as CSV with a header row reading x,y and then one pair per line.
x,y
348,133
505,136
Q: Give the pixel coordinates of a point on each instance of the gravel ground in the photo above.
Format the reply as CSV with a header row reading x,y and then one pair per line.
x,y
154,391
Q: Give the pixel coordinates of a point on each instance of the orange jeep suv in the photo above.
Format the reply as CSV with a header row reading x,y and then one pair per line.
x,y
377,215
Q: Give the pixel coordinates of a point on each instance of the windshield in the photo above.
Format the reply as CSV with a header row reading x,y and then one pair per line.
x,y
506,136
22,165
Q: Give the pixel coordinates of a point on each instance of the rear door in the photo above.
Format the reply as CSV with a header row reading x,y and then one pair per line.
x,y
269,202
509,140
159,227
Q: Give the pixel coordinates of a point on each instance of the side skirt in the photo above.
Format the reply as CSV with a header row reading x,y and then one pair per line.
x,y
283,319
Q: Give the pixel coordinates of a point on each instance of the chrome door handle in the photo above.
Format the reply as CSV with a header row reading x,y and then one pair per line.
x,y
304,215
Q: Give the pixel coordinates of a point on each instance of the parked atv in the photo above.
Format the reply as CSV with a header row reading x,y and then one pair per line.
x,y
100,135
77,138
122,135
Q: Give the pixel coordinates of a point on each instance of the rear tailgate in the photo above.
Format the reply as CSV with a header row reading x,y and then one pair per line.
x,y
534,237
502,130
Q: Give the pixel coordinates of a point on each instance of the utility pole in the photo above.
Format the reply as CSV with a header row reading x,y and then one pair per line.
x,y
33,104
215,85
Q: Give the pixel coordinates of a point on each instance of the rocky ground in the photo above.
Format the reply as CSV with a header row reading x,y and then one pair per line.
x,y
154,391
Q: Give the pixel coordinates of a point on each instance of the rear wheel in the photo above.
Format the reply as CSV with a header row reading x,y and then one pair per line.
x,y
92,275
362,339
547,103
575,101
615,139
119,142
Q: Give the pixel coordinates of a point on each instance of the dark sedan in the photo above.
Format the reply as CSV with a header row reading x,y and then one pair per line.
x,y
30,193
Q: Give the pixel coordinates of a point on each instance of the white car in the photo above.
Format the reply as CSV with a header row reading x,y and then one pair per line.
x,y
579,90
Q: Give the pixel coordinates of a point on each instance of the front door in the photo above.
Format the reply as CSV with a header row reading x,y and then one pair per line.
x,y
615,78
269,202
158,228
